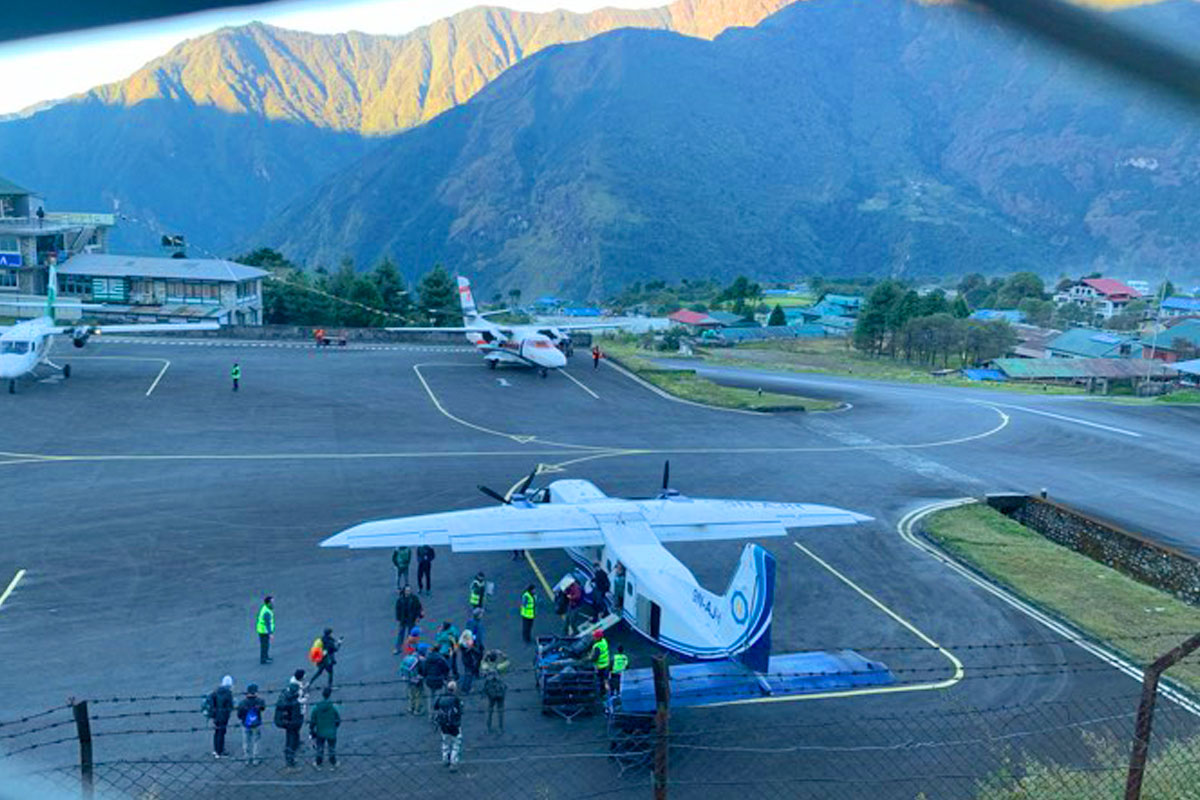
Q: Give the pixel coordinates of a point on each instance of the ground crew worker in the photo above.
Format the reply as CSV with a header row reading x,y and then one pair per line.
x,y
596,355
319,335
620,664
528,610
477,591
266,629
236,374
600,656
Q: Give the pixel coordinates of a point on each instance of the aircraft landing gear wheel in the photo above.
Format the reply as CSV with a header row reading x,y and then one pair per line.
x,y
491,363
66,370
543,372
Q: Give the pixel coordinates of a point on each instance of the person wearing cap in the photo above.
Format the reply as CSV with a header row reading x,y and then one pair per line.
x,y
221,703
412,670
600,657
250,712
408,611
265,625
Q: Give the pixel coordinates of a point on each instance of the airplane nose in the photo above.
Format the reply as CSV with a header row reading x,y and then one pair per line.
x,y
557,359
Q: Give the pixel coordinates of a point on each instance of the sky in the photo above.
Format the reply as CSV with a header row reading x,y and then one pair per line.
x,y
58,66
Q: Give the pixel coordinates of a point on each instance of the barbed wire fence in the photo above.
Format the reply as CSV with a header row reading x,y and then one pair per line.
x,y
144,746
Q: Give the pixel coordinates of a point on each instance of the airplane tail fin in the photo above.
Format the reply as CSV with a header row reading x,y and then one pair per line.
x,y
751,598
51,291
470,313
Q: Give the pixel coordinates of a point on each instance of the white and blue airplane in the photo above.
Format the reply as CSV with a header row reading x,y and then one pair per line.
x,y
543,347
26,346
663,600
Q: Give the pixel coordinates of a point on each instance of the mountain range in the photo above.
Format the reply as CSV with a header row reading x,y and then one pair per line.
x,y
835,136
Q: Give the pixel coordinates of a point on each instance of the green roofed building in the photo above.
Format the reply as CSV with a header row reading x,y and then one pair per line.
x,y
1089,343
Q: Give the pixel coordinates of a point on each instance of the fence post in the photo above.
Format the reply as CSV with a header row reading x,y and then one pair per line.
x,y
662,699
1145,715
83,729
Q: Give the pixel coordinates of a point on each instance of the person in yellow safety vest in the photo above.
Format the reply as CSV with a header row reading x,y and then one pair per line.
x,y
620,664
236,374
265,625
528,611
599,655
478,589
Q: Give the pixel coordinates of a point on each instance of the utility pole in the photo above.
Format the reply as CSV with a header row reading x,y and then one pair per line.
x,y
662,699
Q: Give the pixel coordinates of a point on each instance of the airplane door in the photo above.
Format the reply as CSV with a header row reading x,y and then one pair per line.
x,y
655,620
649,616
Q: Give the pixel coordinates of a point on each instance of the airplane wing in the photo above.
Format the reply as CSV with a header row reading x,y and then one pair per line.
x,y
149,327
440,330
687,519
479,530
586,327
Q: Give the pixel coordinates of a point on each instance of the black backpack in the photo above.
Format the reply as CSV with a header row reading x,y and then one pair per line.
x,y
283,709
449,714
494,687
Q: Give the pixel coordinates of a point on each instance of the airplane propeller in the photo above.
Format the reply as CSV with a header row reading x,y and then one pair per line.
x,y
492,493
518,495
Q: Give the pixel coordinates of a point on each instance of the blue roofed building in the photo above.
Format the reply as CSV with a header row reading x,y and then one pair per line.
x,y
1090,343
1181,306
1011,316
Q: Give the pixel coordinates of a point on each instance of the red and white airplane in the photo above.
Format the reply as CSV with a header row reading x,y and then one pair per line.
x,y
543,347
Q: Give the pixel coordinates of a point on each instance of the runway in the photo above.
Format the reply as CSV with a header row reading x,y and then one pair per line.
x,y
150,524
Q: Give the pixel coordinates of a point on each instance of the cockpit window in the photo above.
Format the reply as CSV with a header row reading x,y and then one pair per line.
x,y
14,348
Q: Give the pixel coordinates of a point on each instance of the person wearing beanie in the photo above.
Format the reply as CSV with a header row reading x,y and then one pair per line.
x,y
219,706
289,715
250,713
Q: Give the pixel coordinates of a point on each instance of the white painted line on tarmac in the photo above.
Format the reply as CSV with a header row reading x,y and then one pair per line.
x,y
579,383
166,365
12,585
1065,418
1073,635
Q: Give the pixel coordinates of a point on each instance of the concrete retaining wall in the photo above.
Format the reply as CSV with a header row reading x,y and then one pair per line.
x,y
1125,551
305,333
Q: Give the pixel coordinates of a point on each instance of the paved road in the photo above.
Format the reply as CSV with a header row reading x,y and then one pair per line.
x,y
150,525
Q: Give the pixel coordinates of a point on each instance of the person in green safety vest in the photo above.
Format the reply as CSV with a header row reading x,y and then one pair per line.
x,y
600,657
620,664
265,625
236,374
478,590
528,611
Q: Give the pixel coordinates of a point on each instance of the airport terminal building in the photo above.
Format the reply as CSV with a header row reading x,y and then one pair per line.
x,y
129,288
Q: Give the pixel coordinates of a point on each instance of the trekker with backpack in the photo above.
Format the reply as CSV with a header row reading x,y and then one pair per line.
x,y
218,706
289,715
494,688
322,655
323,727
250,713
435,670
413,674
448,713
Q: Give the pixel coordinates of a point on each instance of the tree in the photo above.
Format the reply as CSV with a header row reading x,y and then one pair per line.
x,y
960,310
934,303
392,291
877,316
1069,314
365,301
514,296
1167,289
1037,312
777,317
1019,286
973,288
439,293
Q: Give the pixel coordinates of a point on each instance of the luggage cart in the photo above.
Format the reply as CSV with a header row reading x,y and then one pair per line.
x,y
566,682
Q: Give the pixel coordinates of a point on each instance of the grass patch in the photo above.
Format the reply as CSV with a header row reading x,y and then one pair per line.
x,y
1183,396
835,356
1100,601
690,386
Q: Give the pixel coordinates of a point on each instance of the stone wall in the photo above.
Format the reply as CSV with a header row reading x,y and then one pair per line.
x,y
1127,552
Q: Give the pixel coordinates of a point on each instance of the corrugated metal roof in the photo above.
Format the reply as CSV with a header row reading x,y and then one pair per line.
x,y
1111,287
1089,343
988,314
1190,367
688,317
1182,303
197,269
1072,368
1188,330
8,187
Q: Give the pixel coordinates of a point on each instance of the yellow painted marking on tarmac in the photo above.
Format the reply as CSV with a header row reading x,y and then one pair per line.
x,y
541,578
579,383
12,585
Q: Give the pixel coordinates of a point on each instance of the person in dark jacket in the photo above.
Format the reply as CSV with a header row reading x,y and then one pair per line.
x,y
472,659
250,713
323,726
600,587
475,625
289,715
330,646
425,557
408,611
221,703
401,558
448,716
435,668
